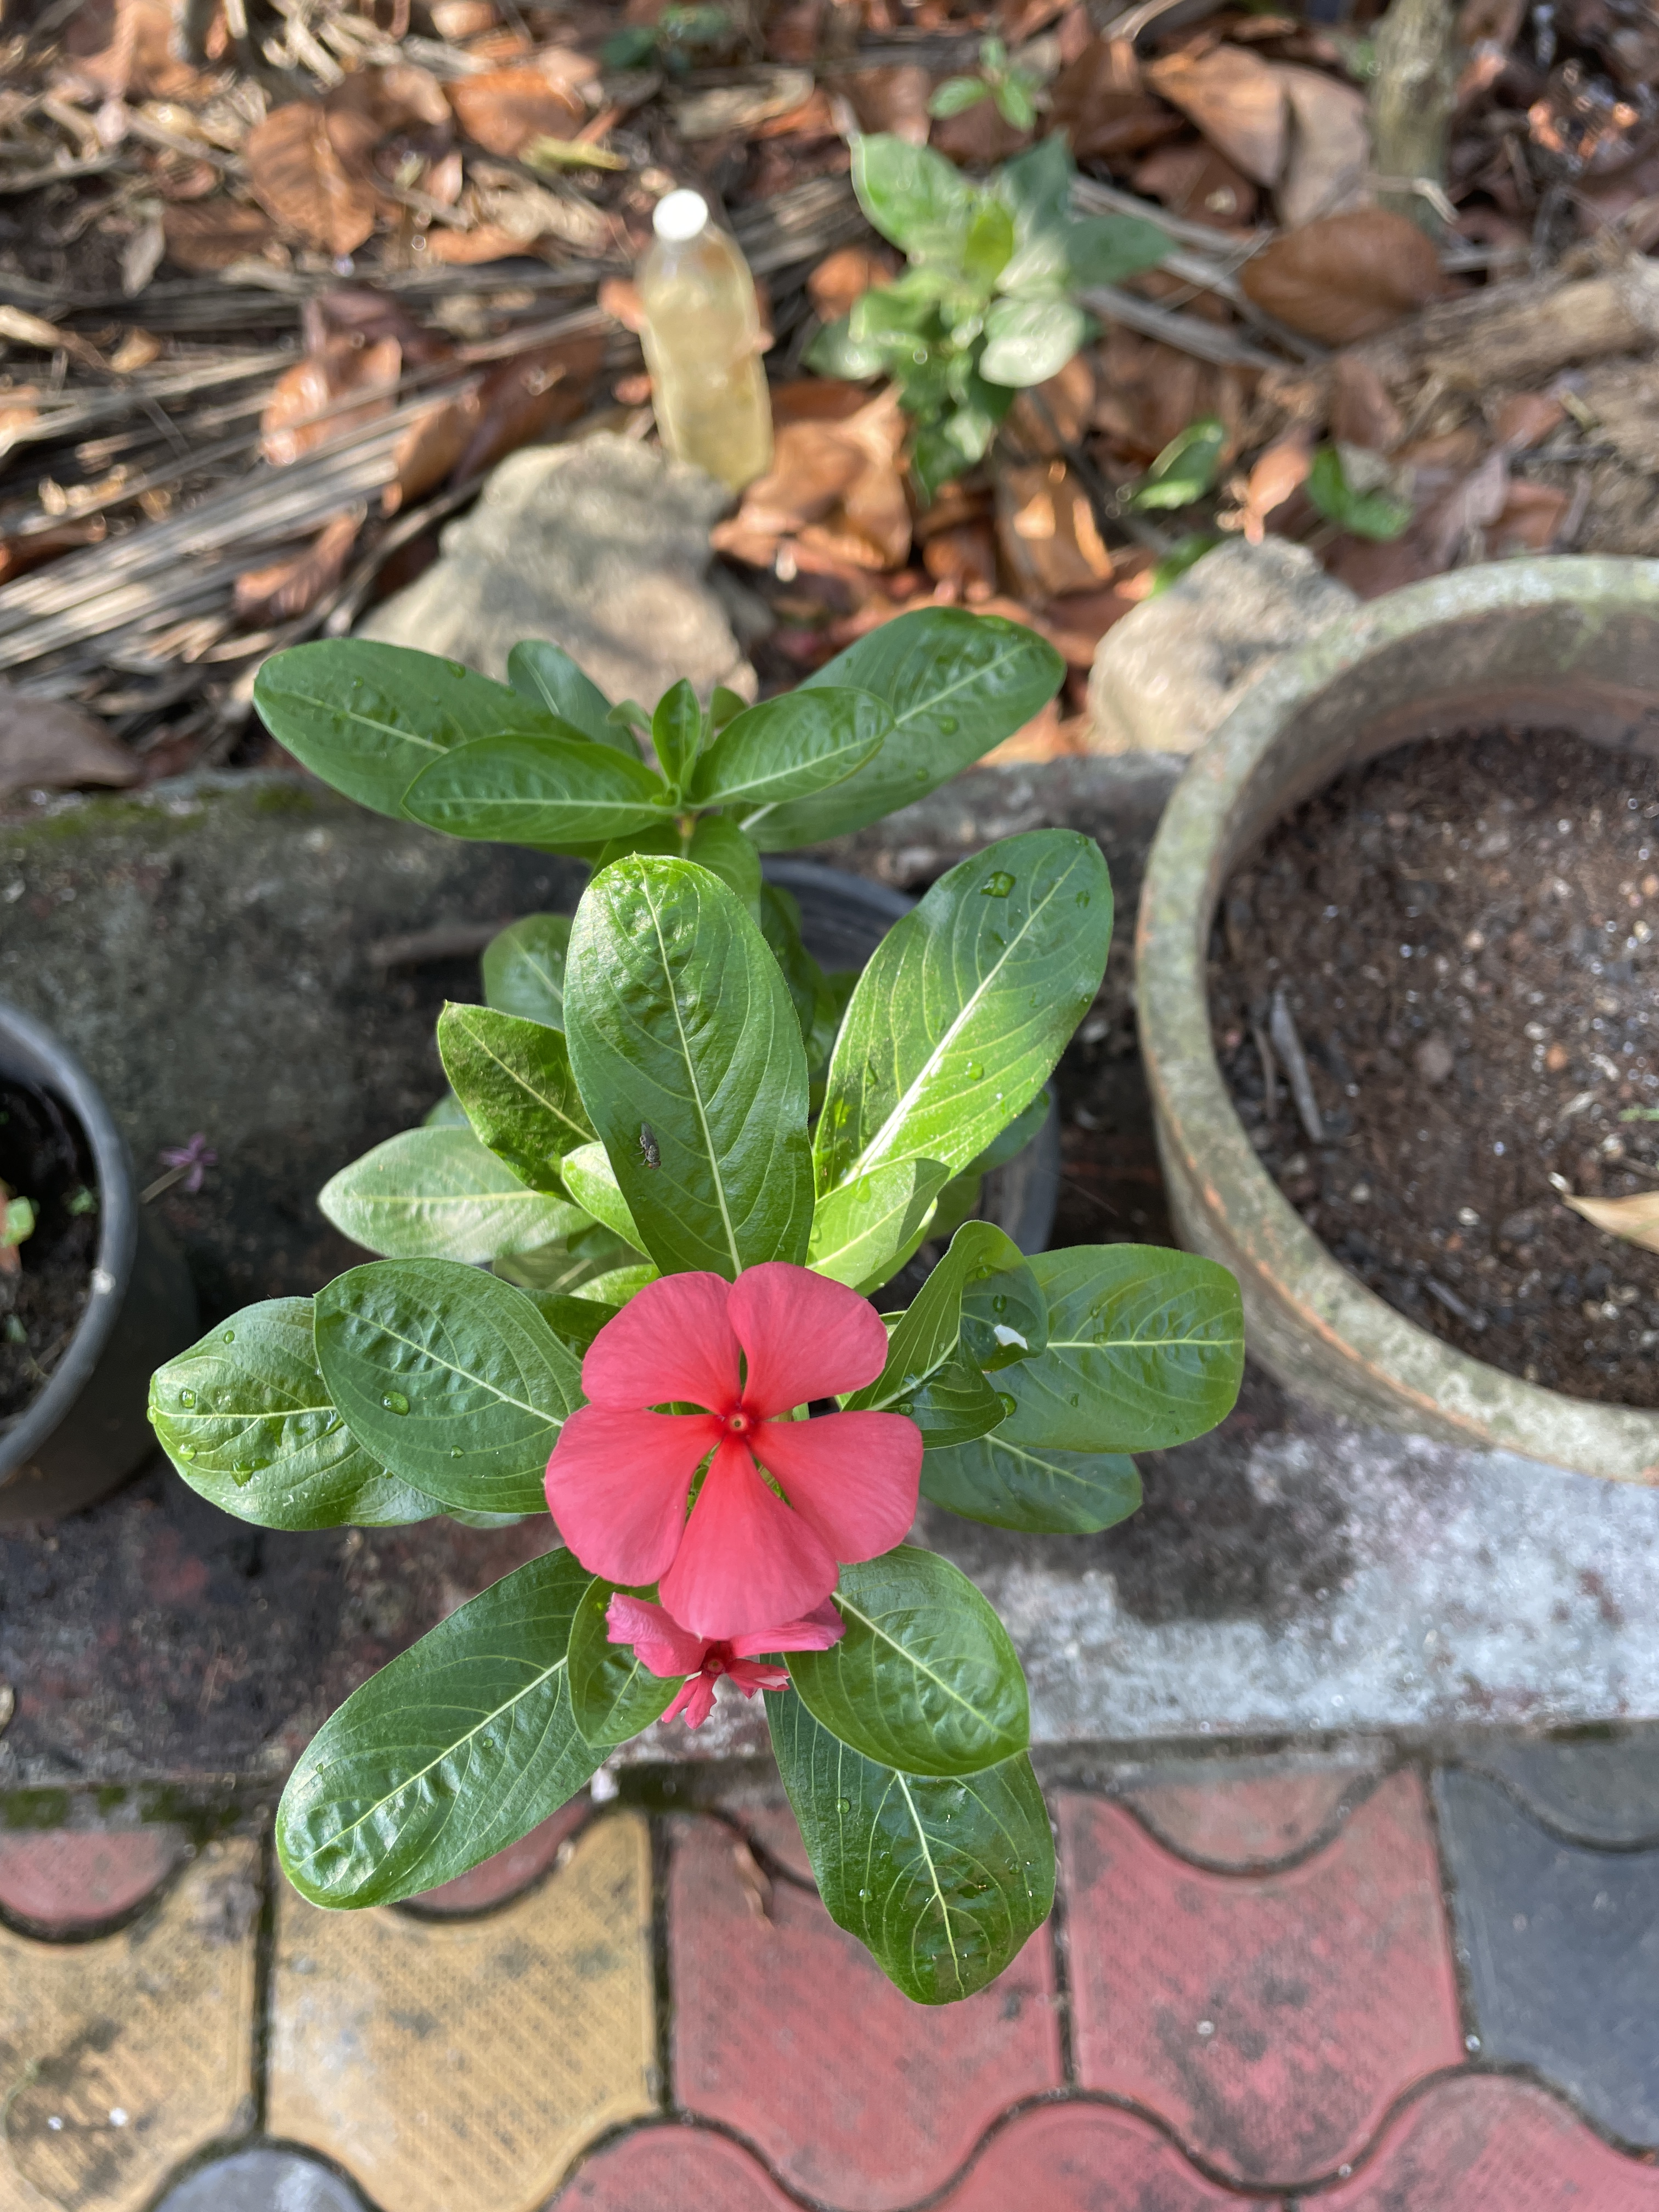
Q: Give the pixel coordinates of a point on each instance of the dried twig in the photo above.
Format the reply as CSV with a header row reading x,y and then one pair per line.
x,y
1287,1044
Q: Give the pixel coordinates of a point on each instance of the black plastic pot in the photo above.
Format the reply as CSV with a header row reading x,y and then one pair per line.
x,y
843,920
87,1430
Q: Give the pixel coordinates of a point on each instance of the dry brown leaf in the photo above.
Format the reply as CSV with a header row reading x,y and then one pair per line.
x,y
1530,521
817,399
1525,418
965,556
1636,1220
205,236
49,744
978,136
303,410
536,392
430,449
503,110
1362,413
35,549
137,350
1197,182
1101,104
792,35
619,297
1470,507
456,20
1147,393
769,96
1046,530
18,413
1346,277
1049,417
894,99
812,464
286,588
1075,624
297,174
466,249
374,103
1281,470
1330,146
1235,100
122,46
843,278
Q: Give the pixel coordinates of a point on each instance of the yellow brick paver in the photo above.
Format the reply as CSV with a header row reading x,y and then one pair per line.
x,y
120,2057
461,2066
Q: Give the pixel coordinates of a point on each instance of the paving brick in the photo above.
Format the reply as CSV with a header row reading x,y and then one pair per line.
x,y
1269,2018
1481,2143
460,2065
60,1879
262,2181
1240,1822
509,1871
1083,2158
1563,1946
1598,1793
120,2058
672,2169
785,2030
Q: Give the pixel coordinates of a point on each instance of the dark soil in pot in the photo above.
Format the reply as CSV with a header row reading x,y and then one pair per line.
x,y
1465,937
45,1158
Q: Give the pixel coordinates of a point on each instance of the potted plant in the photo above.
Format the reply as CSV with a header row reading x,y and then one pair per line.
x,y
629,1280
90,1296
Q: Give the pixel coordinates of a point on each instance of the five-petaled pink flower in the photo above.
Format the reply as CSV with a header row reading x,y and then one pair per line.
x,y
664,1648
752,1553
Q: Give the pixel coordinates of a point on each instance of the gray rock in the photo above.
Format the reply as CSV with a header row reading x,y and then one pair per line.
x,y
1165,676
262,2181
600,545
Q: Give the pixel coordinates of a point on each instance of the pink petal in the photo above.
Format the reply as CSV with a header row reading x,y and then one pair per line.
x,y
806,1336
617,1486
660,1643
671,1342
853,1476
815,1631
696,1700
748,1677
745,1559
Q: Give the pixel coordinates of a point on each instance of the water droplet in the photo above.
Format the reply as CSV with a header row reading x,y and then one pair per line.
x,y
1083,898
843,1804
999,1303
394,1401
455,1451
242,1471
230,1336
864,1894
946,725
976,1069
334,1428
1006,1399
921,775
997,885
1075,1399
186,1451
186,1397
456,667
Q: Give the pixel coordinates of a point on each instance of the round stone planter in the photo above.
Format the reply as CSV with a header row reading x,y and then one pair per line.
x,y
1552,643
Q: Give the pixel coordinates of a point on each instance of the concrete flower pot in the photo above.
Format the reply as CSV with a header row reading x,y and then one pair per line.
x,y
1570,643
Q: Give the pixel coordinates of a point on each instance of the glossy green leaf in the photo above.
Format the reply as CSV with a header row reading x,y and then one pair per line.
x,y
524,969
1005,1314
1185,469
966,1006
724,706
575,1321
445,1113
449,1376
1376,510
925,1677
942,1881
835,352
1028,341
927,1333
1104,249
1145,1350
958,1201
566,1265
956,94
1015,1138
788,748
545,674
912,194
545,792
438,1193
956,1403
863,1231
465,1742
612,1696
721,846
592,1181
809,988
512,1077
1004,1480
618,1285
368,718
689,1057
957,683
245,1417
676,732
989,240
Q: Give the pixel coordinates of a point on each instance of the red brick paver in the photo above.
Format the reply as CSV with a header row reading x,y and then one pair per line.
x,y
59,1879
786,2031
674,2169
1241,1824
1271,2020
1082,2158
1486,2143
510,1871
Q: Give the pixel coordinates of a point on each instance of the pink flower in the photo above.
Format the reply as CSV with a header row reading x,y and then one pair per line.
x,y
750,1552
664,1648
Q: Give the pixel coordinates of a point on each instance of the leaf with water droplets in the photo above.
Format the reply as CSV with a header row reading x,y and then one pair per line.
x,y
438,1193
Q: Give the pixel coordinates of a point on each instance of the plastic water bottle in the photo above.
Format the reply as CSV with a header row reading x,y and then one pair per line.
x,y
701,340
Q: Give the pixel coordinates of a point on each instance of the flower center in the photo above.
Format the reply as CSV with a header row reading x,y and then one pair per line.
x,y
740,1422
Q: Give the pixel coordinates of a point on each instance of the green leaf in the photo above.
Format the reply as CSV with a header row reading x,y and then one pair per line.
x,y
1104,249
835,352
1035,186
1185,469
865,1230
618,1285
726,851
809,987
524,969
913,195
545,673
956,1404
368,718
1015,1137
1145,1350
465,1742
1185,553
438,1193
1015,103
449,1376
724,706
1028,341
592,1181
566,1265
1379,513
613,1695
575,1321
545,792
679,1022
955,1203
790,748
676,732
1004,1315
957,684
1010,1482
941,1880
956,93
445,1113
512,1077
989,242
245,1417
927,1333
925,1677
967,1004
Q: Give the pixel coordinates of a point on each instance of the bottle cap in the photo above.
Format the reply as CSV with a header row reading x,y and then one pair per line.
x,y
680,215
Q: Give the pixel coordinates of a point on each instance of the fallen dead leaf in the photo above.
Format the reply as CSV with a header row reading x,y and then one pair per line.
x,y
35,549
619,297
1147,393
1051,734
18,413
286,588
466,249
503,110
1281,470
811,466
817,399
1049,417
1346,277
458,20
1330,146
1530,521
137,350
1525,418
980,135
1045,531
1102,106
1362,413
428,450
205,236
48,742
768,96
128,47
303,410
843,278
1470,507
792,35
1636,1220
964,556
894,99
1236,101
1198,182
297,174
535,392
